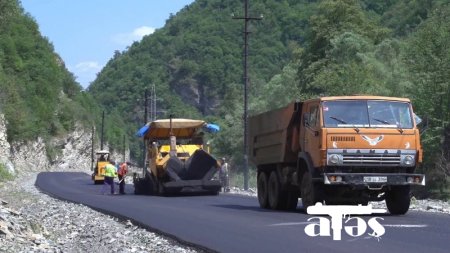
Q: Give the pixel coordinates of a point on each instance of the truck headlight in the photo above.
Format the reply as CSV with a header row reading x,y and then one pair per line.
x,y
408,160
334,159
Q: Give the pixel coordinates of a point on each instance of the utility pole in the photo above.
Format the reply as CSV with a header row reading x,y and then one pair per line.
x,y
92,147
103,123
145,106
124,149
145,122
153,103
246,19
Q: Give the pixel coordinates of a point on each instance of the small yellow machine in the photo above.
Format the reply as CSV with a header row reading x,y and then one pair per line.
x,y
102,160
176,160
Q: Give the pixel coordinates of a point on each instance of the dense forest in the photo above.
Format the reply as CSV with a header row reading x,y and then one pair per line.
x,y
300,49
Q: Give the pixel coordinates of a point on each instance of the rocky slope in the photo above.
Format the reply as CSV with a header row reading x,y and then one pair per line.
x,y
31,221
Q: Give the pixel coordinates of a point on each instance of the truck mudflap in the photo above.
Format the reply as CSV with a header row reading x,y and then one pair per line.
x,y
373,180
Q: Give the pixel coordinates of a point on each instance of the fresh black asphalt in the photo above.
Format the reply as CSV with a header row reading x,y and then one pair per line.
x,y
233,223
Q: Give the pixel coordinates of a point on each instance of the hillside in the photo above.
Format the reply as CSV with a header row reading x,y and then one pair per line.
x,y
195,62
39,97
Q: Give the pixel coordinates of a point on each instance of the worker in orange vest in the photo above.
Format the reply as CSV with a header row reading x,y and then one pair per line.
x,y
122,172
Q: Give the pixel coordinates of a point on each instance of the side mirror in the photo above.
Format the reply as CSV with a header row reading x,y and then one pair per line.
x,y
422,124
417,119
306,119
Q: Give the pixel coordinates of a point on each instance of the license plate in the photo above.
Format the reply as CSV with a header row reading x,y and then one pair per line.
x,y
375,179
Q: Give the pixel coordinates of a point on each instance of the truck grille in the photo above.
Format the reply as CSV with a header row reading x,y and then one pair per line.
x,y
371,159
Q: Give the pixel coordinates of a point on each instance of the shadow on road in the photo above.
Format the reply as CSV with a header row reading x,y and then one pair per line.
x,y
256,208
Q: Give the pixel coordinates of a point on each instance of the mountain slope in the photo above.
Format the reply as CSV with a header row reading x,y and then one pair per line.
x,y
39,96
195,61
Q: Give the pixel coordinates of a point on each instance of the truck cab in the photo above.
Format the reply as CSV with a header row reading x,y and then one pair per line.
x,y
366,143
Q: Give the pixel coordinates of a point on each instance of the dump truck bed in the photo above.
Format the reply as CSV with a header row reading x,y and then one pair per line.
x,y
270,135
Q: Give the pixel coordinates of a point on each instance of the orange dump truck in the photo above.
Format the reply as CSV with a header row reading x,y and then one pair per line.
x,y
337,150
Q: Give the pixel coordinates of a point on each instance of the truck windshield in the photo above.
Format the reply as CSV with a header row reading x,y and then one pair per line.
x,y
367,113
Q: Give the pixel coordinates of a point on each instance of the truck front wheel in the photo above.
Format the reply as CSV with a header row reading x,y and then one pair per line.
x,y
262,190
398,200
310,192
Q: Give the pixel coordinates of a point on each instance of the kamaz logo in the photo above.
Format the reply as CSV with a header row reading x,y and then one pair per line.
x,y
374,141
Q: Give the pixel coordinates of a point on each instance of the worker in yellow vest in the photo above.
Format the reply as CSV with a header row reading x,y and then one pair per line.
x,y
109,174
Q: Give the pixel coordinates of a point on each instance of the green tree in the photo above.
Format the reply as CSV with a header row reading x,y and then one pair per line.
x,y
339,39
428,59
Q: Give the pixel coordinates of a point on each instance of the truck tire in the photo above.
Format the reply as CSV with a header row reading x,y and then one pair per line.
x,y
291,201
262,190
310,192
277,200
398,200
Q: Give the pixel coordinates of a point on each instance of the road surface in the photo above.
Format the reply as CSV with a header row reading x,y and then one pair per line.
x,y
234,223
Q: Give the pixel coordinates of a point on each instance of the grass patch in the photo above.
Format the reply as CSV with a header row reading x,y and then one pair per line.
x,y
237,179
4,174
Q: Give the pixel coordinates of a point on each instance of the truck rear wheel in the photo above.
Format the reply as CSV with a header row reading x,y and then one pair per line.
x,y
277,200
262,190
398,200
291,201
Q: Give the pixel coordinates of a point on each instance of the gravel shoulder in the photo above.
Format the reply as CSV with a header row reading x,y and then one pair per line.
x,y
31,221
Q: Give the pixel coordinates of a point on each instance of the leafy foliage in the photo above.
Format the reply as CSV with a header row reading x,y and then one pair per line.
x,y
39,96
5,175
429,60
